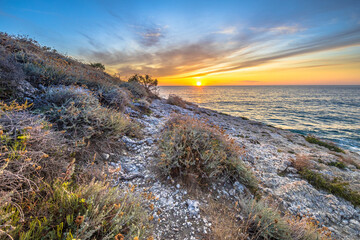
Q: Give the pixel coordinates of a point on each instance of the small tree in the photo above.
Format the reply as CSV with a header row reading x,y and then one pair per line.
x,y
149,83
99,66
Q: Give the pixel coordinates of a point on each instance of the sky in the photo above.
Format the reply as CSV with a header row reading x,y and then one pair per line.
x,y
262,42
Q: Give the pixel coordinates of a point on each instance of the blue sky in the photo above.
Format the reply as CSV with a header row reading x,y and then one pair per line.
x,y
215,40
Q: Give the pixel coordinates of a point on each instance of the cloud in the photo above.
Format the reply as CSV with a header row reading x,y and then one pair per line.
x,y
214,55
279,29
227,31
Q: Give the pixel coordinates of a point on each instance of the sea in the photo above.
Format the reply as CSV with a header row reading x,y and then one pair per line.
x,y
328,112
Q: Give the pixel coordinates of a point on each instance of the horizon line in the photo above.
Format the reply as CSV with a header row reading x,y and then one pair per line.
x,y
259,85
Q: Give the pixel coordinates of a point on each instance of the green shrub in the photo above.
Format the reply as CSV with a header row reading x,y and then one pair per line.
x,y
330,146
190,147
337,164
91,211
146,81
99,66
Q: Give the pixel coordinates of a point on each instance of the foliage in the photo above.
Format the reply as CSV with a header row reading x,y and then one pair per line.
x,y
330,146
99,66
337,164
136,89
260,220
148,82
10,75
192,148
42,65
117,98
41,195
91,211
64,95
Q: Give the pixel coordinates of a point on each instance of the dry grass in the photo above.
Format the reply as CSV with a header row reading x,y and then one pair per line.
x,y
176,100
29,151
302,162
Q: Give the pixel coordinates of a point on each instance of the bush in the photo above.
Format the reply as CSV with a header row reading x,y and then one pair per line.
x,y
64,95
136,89
11,76
117,98
91,211
176,100
91,122
99,66
337,164
328,145
251,219
146,81
190,147
30,151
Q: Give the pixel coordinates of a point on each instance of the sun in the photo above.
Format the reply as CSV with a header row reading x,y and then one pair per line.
x,y
198,83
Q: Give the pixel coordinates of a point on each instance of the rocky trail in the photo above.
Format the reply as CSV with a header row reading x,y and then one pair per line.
x,y
178,212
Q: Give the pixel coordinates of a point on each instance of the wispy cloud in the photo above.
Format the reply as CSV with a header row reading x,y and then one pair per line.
x,y
279,29
227,31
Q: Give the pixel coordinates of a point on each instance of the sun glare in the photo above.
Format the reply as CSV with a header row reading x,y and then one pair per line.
x,y
198,83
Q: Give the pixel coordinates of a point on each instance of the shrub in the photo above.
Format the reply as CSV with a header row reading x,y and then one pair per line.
x,y
99,66
47,67
337,164
91,211
251,219
64,95
189,147
136,89
117,98
11,76
30,151
91,122
176,100
328,145
146,81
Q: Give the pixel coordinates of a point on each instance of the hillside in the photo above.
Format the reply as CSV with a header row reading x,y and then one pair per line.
x,y
87,155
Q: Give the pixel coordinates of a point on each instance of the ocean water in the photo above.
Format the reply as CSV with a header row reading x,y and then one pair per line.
x,y
329,112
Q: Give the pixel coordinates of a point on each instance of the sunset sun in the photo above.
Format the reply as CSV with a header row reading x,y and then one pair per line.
x,y
198,83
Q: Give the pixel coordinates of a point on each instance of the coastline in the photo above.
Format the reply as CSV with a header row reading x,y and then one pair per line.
x,y
269,152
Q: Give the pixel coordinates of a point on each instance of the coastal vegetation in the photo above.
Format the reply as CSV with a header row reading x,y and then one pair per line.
x,y
58,120
54,182
328,145
333,185
251,219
